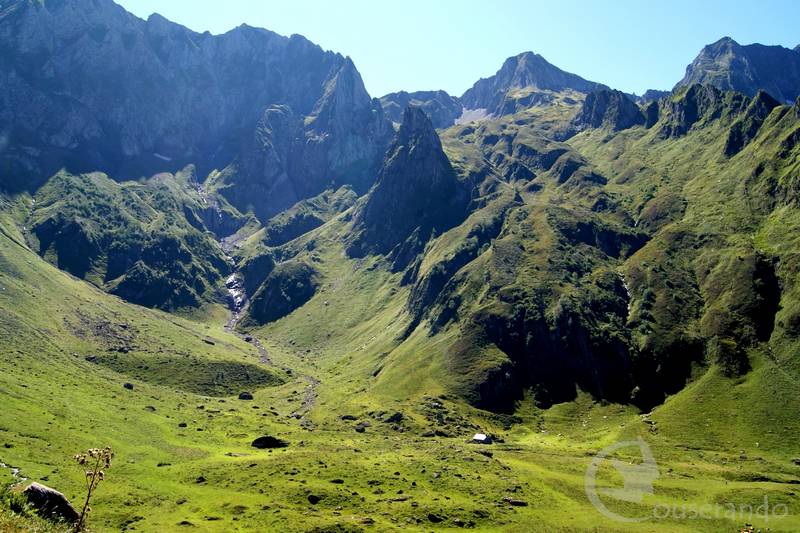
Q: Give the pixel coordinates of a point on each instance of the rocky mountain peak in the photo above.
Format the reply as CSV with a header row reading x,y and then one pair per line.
x,y
417,129
417,195
729,65
344,94
523,71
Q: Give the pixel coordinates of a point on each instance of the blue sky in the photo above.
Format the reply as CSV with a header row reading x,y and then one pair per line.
x,y
630,45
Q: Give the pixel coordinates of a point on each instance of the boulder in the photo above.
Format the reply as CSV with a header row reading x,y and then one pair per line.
x,y
396,418
269,442
435,518
51,503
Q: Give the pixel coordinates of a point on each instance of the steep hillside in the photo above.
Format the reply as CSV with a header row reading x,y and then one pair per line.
x,y
149,242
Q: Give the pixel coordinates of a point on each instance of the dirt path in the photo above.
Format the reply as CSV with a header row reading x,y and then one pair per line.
x,y
309,400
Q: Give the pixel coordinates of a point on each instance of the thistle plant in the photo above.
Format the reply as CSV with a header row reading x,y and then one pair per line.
x,y
95,460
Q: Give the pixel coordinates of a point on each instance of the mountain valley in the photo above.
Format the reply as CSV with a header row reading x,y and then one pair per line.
x,y
265,253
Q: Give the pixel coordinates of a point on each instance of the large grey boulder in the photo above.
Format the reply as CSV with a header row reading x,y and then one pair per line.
x,y
50,503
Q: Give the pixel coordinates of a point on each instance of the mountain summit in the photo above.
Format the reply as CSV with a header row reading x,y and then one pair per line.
x,y
729,65
524,71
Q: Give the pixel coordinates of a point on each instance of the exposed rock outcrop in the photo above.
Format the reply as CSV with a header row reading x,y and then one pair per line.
x,y
609,108
417,196
292,157
695,104
746,128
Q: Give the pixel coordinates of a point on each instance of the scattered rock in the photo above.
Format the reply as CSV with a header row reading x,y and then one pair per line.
x,y
796,461
269,442
361,427
435,518
210,342
128,386
245,396
200,479
337,481
51,503
182,425
347,417
313,499
515,503
91,358
395,418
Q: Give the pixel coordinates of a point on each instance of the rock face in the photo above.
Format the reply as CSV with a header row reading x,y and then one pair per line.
x,y
746,128
293,156
51,503
84,87
417,195
651,95
441,108
609,108
728,65
695,104
524,71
